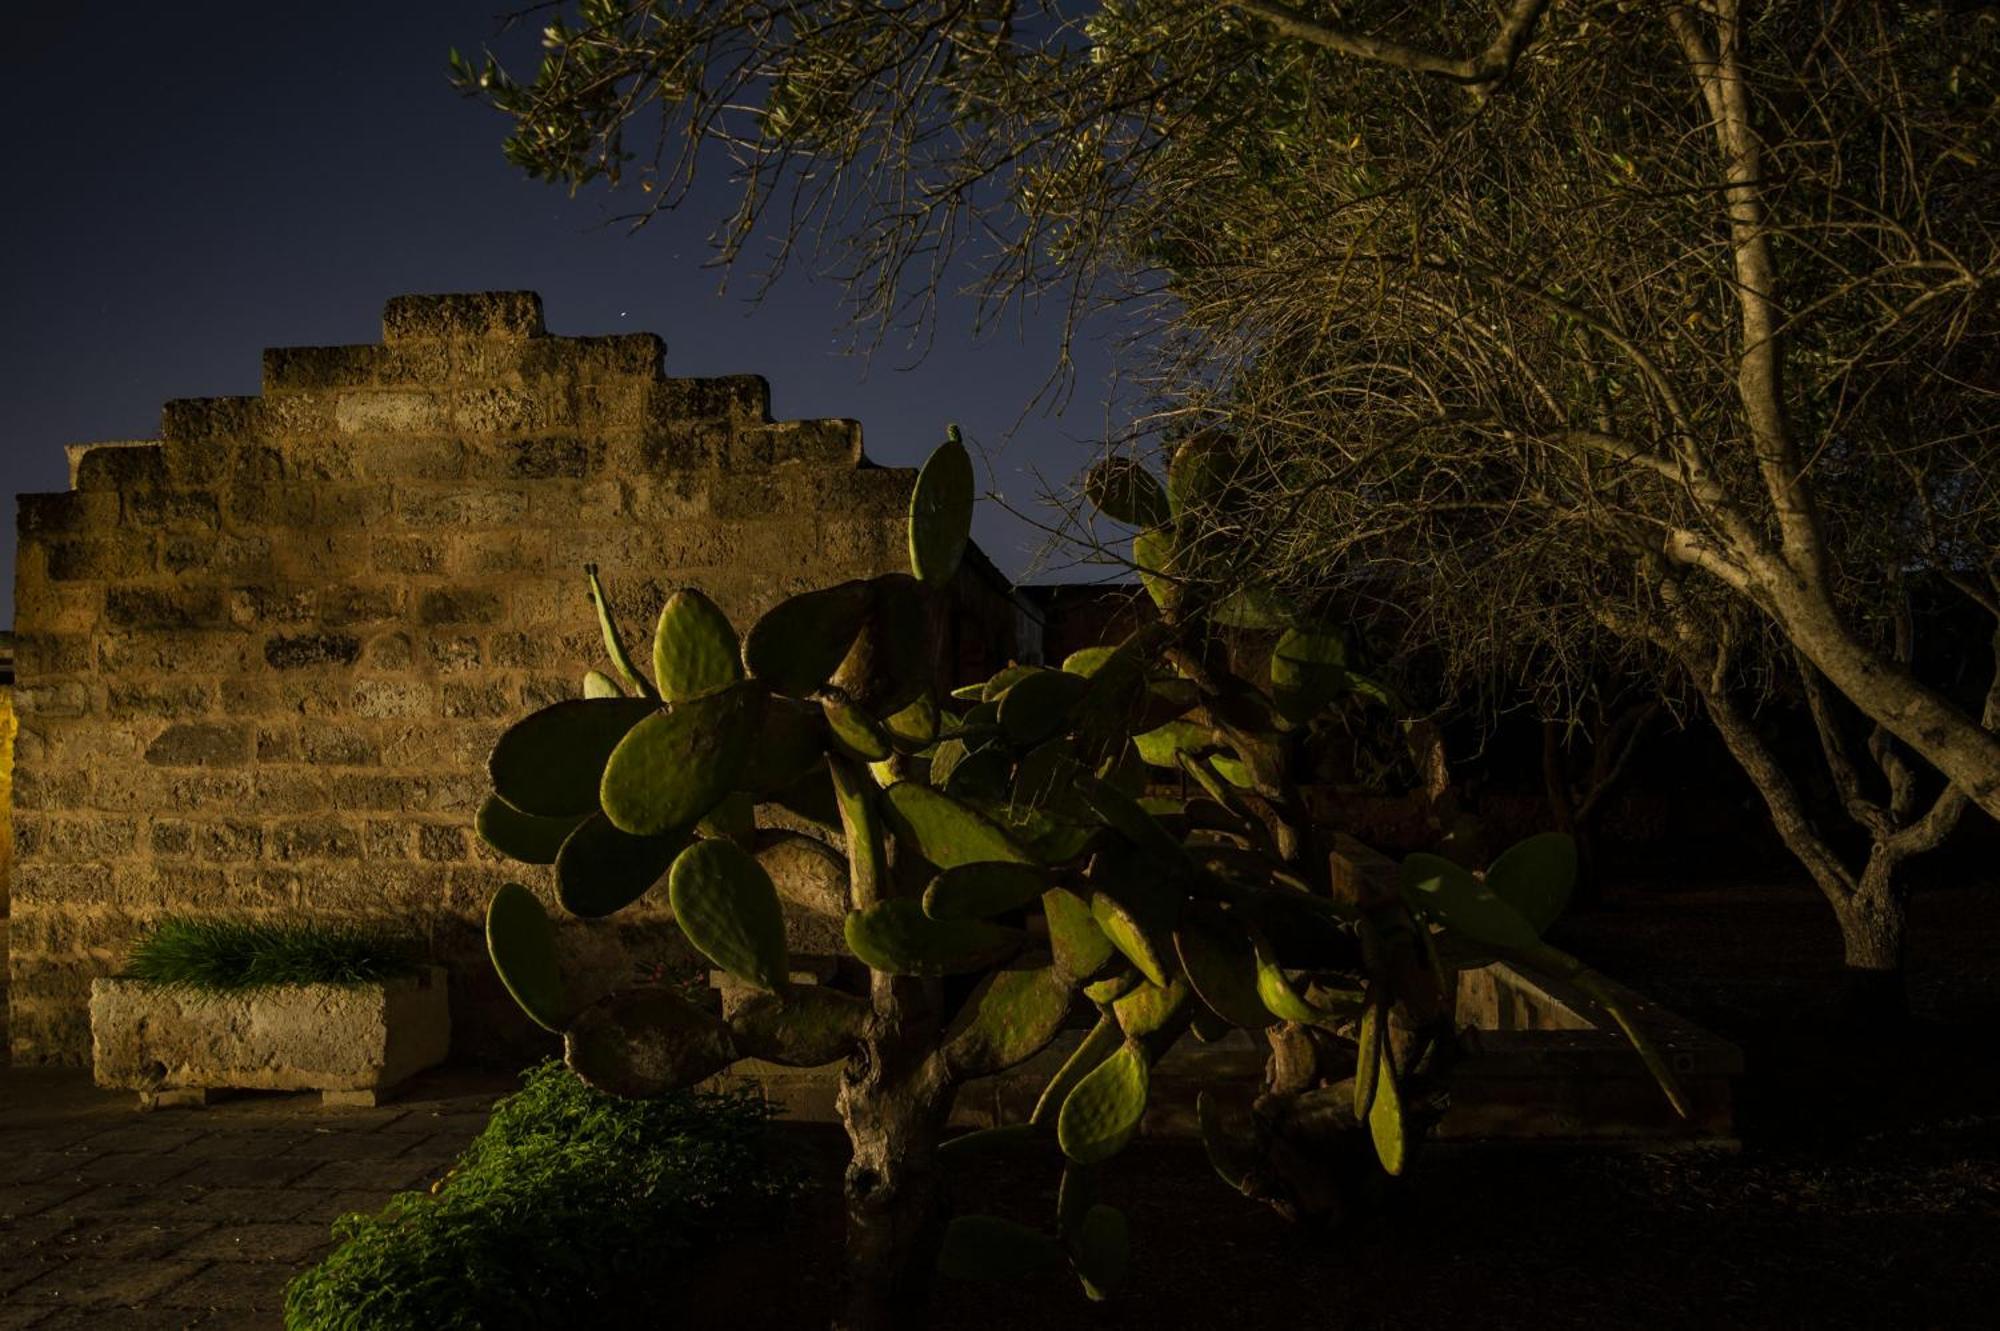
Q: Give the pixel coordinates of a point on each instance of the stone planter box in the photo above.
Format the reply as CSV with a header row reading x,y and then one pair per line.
x,y
353,1043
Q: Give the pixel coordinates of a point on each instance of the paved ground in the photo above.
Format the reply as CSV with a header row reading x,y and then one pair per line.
x,y
115,1219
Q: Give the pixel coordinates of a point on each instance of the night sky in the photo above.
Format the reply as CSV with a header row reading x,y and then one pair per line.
x,y
192,183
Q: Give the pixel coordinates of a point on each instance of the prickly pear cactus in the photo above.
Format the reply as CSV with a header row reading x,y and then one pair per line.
x,y
1114,840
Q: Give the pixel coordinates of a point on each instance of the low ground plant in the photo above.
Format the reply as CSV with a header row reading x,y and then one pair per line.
x,y
570,1207
226,956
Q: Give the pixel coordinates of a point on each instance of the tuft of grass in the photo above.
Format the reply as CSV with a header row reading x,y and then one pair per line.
x,y
228,956
572,1208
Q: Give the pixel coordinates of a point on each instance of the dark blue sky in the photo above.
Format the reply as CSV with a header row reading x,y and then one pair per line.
x,y
191,183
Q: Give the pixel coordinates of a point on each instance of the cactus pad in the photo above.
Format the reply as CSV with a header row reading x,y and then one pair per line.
x,y
799,643
1385,1116
1102,1251
1536,877
597,684
694,648
1153,557
985,1141
1102,1113
1149,1007
789,746
1222,966
645,1042
614,642
857,734
977,891
549,762
941,513
1038,704
986,1247
1010,1017
890,662
807,1026
947,832
678,763
1122,926
1080,946
897,938
1124,491
523,949
601,869
521,836
1434,886
728,908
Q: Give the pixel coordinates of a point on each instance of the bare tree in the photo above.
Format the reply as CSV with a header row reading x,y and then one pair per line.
x,y
1650,337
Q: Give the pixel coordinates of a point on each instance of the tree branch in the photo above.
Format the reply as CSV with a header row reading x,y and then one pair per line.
x,y
1493,64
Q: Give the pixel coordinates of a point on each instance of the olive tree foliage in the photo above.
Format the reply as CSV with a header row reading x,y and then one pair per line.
x,y
1566,337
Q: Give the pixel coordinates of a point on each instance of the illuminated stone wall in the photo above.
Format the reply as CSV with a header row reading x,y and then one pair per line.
x,y
261,660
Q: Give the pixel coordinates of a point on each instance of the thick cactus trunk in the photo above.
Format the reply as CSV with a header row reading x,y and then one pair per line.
x,y
894,1099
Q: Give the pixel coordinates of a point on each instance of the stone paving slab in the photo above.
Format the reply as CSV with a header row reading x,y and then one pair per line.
x,y
198,1217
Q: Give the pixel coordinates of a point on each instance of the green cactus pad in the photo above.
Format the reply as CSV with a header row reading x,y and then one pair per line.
x,y
808,873
694,648
1106,991
789,747
1086,661
947,832
734,818
854,732
1308,671
1200,472
990,1141
1124,491
1102,1251
1253,608
601,869
1102,1114
521,836
915,728
1010,1017
549,762
1277,994
1432,885
941,513
889,664
986,773
677,764
728,908
1129,819
1226,1157
1080,947
810,798
1221,964
1149,1007
614,642
1153,556
1385,1117
986,1247
1038,704
1162,746
897,938
979,891
1367,1059
644,1042
1092,1050
808,1026
800,642
1536,877
1076,1193
597,684
523,949
1001,681
861,826
1138,943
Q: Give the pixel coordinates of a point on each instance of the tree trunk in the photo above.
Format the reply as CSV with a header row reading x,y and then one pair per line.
x,y
1873,927
1943,736
894,1103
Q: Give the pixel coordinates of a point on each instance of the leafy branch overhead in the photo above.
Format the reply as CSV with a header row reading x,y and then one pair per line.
x,y
1118,836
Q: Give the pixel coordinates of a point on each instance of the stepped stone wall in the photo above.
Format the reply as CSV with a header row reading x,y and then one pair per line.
x,y
261,660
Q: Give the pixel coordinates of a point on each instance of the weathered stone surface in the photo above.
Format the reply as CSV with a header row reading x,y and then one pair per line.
x,y
304,1037
262,660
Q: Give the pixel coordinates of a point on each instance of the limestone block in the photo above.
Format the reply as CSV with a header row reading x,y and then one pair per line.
x,y
297,1037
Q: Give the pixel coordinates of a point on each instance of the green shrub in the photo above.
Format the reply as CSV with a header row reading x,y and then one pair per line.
x,y
223,956
571,1206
